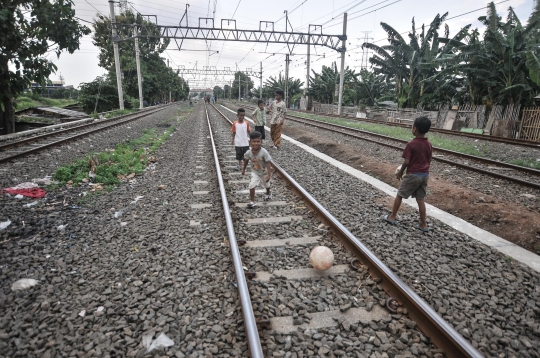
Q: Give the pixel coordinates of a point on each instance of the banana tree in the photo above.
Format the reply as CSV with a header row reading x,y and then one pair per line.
x,y
408,64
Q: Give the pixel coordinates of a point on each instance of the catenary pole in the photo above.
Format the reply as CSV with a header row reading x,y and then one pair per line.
x,y
306,87
239,86
169,81
138,60
260,96
342,74
116,56
286,79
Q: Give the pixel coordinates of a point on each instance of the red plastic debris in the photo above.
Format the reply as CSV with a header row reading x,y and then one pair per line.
x,y
31,193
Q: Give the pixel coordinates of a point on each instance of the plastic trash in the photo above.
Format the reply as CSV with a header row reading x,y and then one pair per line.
x,y
118,214
123,223
137,199
82,313
23,284
19,196
27,185
5,224
61,227
162,341
29,205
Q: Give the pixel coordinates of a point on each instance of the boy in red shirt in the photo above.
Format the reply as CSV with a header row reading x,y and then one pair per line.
x,y
417,155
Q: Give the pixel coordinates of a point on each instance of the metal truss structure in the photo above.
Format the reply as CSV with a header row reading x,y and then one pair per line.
x,y
227,31
215,72
230,33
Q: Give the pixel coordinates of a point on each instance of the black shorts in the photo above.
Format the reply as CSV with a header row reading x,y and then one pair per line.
x,y
260,129
240,151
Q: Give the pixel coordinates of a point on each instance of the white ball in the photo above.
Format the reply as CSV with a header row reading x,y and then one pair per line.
x,y
398,169
321,258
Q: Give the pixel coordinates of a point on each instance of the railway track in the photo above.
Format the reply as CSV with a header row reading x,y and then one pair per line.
x,y
496,139
19,148
358,294
485,166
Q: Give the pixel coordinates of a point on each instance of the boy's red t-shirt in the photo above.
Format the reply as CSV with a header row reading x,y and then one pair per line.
x,y
419,153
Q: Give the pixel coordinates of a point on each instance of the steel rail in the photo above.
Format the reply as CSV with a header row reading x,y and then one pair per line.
x,y
61,141
16,143
436,149
247,309
521,142
446,161
442,334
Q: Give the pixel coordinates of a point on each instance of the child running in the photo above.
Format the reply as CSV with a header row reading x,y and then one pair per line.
x,y
259,117
417,155
261,167
240,136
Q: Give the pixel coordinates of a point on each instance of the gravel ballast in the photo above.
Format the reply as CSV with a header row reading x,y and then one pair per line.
x,y
490,299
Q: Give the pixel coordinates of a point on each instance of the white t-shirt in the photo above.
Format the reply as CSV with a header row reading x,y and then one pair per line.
x,y
241,138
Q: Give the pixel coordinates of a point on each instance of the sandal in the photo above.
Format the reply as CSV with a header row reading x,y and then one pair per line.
x,y
393,222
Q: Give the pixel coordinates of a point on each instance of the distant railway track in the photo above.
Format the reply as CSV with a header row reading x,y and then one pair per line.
x,y
363,135
22,147
490,138
441,333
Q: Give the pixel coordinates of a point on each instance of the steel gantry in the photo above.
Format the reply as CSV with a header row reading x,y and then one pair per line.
x,y
227,31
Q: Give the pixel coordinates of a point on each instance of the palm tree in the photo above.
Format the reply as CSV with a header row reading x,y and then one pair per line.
x,y
273,84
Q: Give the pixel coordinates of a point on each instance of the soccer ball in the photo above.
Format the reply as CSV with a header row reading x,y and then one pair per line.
x,y
321,258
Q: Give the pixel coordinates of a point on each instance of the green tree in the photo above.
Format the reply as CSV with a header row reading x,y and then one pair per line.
x,y
273,84
100,95
29,29
324,85
158,78
218,93
244,90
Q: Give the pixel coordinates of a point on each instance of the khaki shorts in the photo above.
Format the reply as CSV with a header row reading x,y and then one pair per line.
x,y
413,185
258,180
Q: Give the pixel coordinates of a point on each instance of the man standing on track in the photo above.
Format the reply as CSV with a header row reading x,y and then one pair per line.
x,y
277,112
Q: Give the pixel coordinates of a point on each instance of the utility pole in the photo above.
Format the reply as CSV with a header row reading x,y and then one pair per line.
x,y
137,59
239,85
342,75
286,79
260,96
306,87
169,82
247,88
116,56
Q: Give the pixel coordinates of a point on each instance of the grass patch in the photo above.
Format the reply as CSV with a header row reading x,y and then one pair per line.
x,y
456,145
529,163
24,102
129,157
119,112
36,119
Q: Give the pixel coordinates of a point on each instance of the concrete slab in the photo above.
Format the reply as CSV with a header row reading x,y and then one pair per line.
x,y
299,274
248,174
238,181
306,240
202,192
284,325
274,220
504,246
257,191
200,182
263,203
200,206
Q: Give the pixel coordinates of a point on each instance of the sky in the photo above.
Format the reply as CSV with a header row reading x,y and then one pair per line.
x,y
364,18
